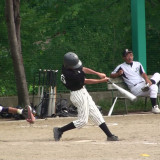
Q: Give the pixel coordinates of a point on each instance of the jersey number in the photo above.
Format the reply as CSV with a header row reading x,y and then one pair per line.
x,y
63,79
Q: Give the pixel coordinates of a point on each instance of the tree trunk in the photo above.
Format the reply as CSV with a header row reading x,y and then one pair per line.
x,y
13,23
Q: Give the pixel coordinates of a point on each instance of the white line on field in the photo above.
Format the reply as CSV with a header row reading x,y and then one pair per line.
x,y
118,142
108,124
34,126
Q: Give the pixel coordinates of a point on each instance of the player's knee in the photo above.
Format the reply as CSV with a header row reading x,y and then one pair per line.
x,y
83,122
155,78
156,74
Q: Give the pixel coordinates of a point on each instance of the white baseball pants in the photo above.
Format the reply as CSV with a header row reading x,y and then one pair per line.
x,y
153,89
86,108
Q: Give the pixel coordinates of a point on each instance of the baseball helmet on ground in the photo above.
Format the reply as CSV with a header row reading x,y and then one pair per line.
x,y
71,61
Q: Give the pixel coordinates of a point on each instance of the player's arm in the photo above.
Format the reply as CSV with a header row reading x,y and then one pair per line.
x,y
95,81
90,71
117,72
115,75
144,75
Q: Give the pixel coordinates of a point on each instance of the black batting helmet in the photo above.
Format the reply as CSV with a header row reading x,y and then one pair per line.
x,y
71,61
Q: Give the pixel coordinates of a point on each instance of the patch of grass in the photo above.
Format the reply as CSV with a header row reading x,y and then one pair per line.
x,y
119,108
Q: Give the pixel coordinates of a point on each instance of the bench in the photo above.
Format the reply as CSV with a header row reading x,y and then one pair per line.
x,y
115,93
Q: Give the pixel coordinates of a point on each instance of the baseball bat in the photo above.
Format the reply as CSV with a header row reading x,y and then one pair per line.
x,y
34,79
49,74
39,82
126,93
54,92
41,94
112,107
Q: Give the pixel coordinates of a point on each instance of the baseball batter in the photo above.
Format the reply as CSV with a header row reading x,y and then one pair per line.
x,y
136,79
73,77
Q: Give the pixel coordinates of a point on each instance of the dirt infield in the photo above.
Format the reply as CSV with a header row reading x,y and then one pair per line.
x,y
139,140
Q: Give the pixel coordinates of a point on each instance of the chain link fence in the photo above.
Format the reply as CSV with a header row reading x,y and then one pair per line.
x,y
98,31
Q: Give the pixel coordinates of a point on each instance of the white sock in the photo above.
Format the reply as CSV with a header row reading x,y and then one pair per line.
x,y
19,111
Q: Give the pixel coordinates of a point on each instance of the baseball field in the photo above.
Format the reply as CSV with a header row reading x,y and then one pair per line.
x,y
139,136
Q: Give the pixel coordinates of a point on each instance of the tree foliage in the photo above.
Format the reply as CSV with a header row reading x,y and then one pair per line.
x,y
98,31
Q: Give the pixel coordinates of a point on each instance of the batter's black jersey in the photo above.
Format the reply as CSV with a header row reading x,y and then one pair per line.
x,y
73,79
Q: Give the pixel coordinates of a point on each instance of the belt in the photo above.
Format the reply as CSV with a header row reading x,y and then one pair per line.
x,y
76,89
138,83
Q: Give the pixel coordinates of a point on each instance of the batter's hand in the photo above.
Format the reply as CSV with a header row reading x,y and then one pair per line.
x,y
106,79
101,75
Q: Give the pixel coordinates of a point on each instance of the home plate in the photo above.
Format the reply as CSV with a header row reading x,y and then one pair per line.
x,y
151,143
112,124
83,141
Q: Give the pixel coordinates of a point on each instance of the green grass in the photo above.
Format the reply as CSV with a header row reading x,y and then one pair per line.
x,y
119,108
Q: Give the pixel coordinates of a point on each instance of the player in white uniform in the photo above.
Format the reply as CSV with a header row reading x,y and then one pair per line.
x,y
73,77
26,112
136,79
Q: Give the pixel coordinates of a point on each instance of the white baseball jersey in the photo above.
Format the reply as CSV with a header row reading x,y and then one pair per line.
x,y
132,73
132,77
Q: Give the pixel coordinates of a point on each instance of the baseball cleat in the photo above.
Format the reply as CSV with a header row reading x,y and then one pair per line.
x,y
27,114
31,117
112,138
155,109
57,134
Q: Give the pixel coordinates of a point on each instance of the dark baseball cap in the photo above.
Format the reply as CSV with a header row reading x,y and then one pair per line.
x,y
125,52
